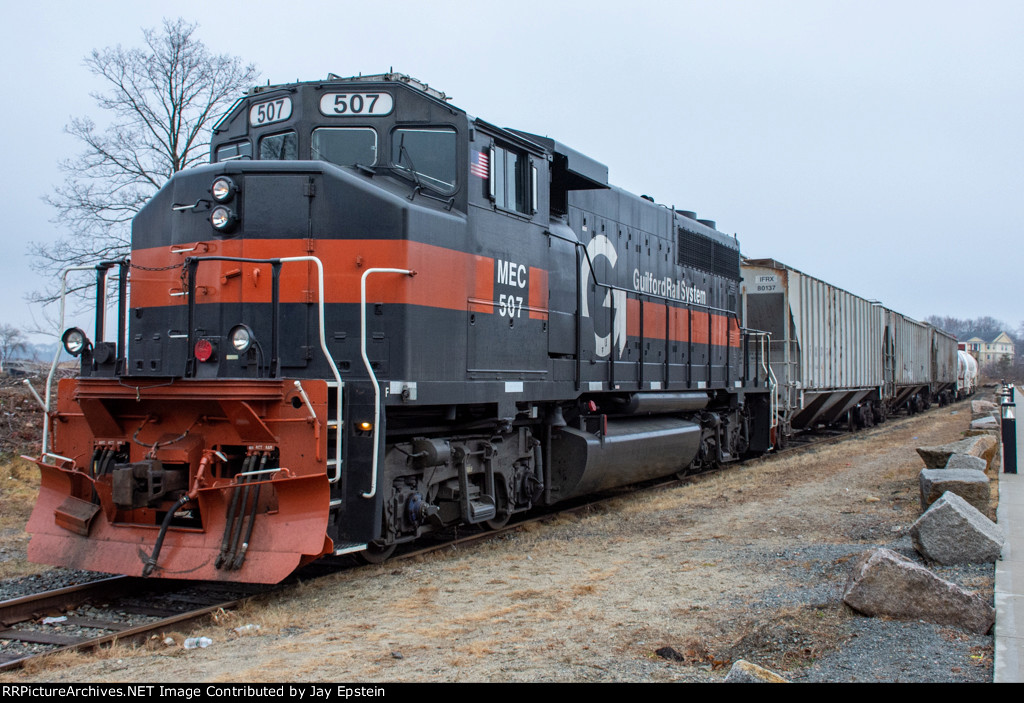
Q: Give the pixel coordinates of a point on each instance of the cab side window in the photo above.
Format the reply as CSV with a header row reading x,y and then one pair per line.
x,y
513,180
429,154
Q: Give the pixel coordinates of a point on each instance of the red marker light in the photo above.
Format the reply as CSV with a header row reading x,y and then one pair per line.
x,y
204,350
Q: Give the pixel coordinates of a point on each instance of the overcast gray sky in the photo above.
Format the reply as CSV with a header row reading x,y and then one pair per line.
x,y
876,145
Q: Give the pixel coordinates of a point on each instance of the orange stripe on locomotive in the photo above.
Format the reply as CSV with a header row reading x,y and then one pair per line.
x,y
436,284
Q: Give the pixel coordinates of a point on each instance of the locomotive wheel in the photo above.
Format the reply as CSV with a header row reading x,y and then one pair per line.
x,y
377,553
502,513
498,521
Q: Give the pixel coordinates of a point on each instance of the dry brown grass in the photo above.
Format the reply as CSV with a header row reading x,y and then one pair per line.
x,y
115,654
20,433
19,488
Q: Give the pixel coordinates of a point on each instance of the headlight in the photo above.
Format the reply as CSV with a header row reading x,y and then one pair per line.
x,y
223,189
223,219
240,338
74,341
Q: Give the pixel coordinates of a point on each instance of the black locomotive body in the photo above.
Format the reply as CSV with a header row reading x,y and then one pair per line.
x,y
373,316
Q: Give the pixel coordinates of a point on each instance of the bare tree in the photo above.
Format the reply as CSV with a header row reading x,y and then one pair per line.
x,y
161,102
987,327
11,342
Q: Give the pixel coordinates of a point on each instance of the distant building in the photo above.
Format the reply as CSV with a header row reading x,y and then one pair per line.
x,y
990,352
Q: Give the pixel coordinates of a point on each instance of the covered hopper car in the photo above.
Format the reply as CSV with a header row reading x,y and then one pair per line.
x,y
836,357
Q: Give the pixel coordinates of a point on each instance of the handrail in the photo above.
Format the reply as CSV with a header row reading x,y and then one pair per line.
x,y
369,369
56,357
321,322
765,345
766,342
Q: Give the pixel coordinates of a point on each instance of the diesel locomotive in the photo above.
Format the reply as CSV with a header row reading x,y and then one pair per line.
x,y
371,316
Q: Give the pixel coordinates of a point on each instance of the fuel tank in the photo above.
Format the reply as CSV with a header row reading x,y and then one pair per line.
x,y
621,453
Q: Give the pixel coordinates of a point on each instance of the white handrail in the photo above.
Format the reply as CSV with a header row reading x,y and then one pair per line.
x,y
369,369
773,383
56,357
327,354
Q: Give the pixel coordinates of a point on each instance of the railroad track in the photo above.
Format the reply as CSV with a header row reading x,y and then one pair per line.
x,y
119,608
123,608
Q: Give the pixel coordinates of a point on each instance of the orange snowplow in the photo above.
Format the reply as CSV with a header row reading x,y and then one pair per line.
x,y
222,480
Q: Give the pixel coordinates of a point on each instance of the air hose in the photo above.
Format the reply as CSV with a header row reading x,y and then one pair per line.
x,y
151,562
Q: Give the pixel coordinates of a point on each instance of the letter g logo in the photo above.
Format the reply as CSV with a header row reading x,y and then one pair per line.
x,y
600,245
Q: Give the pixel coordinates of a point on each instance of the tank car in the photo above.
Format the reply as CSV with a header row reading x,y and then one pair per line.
x,y
374,316
967,374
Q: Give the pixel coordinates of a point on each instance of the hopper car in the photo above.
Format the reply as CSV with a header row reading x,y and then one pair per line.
x,y
839,358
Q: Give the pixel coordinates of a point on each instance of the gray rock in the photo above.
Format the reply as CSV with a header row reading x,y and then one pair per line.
x,y
952,531
986,447
743,671
969,484
980,445
884,583
985,423
982,407
975,433
966,461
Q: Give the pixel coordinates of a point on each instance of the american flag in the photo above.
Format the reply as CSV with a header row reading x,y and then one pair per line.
x,y
479,165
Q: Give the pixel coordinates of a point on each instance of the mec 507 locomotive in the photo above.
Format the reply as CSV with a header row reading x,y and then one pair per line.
x,y
373,316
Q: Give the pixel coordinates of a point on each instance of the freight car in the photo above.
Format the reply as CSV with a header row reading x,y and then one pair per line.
x,y
967,374
837,357
373,316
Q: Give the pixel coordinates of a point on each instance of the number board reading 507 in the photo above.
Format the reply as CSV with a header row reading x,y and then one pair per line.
x,y
268,112
356,104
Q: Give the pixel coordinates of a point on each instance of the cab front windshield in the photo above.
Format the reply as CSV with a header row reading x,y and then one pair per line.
x,y
345,146
428,154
